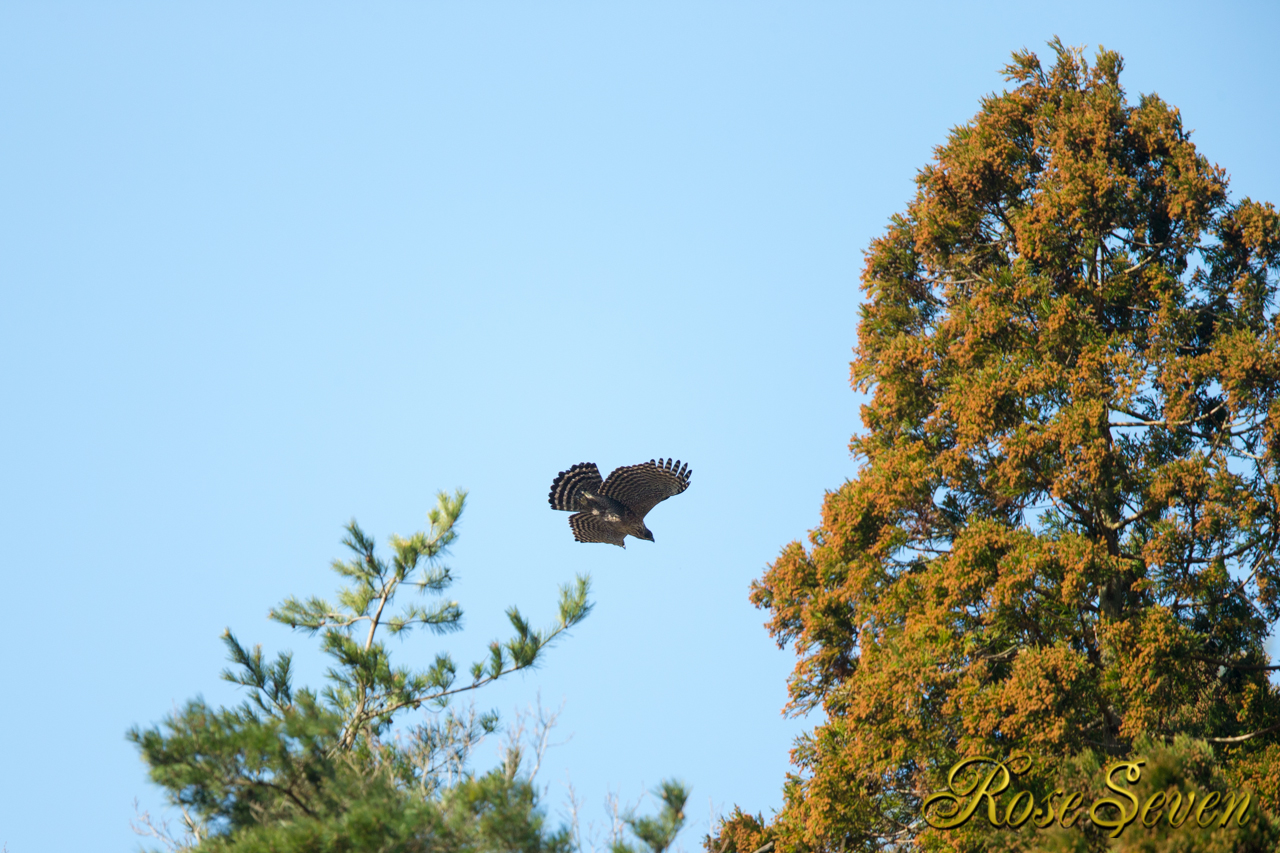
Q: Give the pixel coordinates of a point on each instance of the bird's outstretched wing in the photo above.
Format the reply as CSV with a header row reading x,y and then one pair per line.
x,y
642,487
589,527
569,486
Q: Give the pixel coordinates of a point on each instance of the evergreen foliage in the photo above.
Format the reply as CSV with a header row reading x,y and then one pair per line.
x,y
1062,537
660,831
291,769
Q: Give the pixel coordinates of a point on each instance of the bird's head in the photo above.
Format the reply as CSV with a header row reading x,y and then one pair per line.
x,y
645,533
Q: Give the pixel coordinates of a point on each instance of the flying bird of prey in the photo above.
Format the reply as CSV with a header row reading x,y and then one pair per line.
x,y
609,510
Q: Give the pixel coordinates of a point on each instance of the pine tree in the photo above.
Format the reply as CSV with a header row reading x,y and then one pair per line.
x,y
659,832
1061,540
296,770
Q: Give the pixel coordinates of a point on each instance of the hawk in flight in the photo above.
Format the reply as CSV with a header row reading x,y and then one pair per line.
x,y
609,510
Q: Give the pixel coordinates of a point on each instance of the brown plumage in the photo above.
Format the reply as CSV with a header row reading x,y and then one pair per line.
x,y
610,510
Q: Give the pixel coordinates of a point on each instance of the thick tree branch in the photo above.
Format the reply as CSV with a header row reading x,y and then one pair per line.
x,y
1240,738
1244,666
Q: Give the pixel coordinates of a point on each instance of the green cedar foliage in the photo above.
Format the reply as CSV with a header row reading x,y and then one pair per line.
x,y
291,769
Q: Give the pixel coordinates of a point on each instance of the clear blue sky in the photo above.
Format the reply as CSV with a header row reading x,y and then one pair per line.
x,y
267,267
